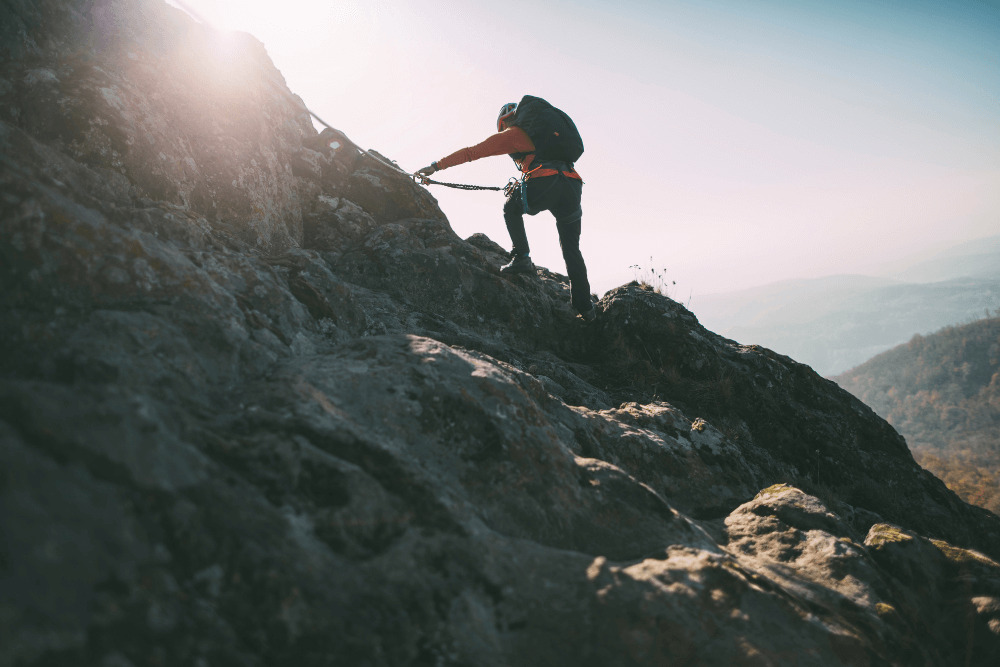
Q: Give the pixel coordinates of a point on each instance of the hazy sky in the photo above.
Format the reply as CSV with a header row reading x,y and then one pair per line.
x,y
730,142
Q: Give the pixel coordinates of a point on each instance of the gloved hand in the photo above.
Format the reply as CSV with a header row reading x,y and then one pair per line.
x,y
428,170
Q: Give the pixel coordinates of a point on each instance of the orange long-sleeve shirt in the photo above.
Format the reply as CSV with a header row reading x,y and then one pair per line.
x,y
511,140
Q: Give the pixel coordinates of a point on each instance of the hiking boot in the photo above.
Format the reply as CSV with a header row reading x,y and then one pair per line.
x,y
520,264
589,315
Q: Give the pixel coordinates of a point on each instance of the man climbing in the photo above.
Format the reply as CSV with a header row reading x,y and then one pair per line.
x,y
544,144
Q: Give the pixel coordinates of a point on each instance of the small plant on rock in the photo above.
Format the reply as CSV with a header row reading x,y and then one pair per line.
x,y
651,279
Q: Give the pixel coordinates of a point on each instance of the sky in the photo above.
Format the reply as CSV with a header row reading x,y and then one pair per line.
x,y
729,143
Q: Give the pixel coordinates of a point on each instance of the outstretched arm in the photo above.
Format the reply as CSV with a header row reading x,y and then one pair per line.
x,y
511,140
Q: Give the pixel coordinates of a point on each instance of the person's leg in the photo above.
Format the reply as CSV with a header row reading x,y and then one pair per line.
x,y
576,268
568,222
513,215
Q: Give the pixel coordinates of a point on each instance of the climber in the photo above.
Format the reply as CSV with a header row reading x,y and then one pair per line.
x,y
544,144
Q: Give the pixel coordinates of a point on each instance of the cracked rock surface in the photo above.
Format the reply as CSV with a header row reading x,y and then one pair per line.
x,y
259,405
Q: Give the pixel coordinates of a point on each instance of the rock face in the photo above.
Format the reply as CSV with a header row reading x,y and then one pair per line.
x,y
260,405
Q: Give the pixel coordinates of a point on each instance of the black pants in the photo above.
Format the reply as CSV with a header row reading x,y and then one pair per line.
x,y
561,196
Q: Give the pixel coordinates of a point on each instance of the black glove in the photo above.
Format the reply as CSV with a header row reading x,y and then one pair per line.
x,y
428,170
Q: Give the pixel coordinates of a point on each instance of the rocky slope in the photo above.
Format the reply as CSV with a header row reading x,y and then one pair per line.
x,y
260,405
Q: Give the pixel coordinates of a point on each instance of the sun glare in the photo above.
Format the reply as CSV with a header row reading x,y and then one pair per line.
x,y
223,15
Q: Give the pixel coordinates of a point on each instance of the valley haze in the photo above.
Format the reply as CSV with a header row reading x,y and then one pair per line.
x,y
835,323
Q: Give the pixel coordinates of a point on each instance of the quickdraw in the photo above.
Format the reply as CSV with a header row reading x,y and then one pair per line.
x,y
511,186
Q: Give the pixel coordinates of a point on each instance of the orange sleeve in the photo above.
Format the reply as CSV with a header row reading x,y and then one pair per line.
x,y
511,140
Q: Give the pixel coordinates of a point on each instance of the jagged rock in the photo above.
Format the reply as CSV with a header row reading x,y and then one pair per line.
x,y
950,594
260,405
793,539
795,426
136,88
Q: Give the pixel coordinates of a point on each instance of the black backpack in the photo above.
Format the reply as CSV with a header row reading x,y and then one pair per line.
x,y
552,131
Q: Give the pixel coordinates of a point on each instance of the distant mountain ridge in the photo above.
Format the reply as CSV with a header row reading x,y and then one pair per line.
x,y
979,258
835,323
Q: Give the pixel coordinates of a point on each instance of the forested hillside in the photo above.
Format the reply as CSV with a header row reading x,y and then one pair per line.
x,y
942,393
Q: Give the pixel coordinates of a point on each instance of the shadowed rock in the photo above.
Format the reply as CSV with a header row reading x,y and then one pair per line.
x,y
260,405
